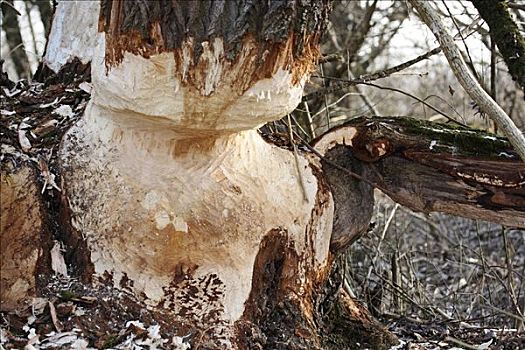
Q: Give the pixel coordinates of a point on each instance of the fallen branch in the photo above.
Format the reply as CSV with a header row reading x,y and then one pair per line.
x,y
425,166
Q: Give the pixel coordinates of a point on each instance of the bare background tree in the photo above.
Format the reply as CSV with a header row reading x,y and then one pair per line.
x,y
25,25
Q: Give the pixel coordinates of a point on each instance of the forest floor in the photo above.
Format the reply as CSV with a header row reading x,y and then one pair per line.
x,y
441,281
437,282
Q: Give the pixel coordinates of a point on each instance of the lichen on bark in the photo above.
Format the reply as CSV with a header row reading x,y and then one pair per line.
x,y
505,32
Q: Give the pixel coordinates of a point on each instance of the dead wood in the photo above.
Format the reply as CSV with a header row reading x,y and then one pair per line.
x,y
427,167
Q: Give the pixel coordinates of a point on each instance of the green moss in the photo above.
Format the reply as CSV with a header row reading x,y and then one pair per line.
x,y
449,138
67,295
466,141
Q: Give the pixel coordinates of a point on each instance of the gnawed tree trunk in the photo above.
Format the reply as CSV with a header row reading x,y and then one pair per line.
x,y
169,194
71,42
200,220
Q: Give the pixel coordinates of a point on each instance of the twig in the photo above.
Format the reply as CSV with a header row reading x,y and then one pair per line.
x,y
510,273
515,6
406,296
506,313
493,75
460,33
362,95
449,118
447,103
325,99
330,58
369,77
296,157
299,126
309,116
395,278
382,238
330,105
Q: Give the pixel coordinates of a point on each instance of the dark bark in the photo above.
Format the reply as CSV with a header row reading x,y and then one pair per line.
x,y
4,78
14,39
73,71
285,34
505,32
354,199
269,22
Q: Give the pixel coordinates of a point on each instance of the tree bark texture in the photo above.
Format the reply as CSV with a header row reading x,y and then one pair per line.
x,y
505,32
280,34
14,39
46,13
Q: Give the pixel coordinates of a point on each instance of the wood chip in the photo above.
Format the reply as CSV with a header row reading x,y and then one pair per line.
x,y
54,317
58,263
23,140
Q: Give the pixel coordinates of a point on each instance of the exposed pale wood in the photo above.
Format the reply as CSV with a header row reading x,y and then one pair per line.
x,y
24,236
469,83
73,33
